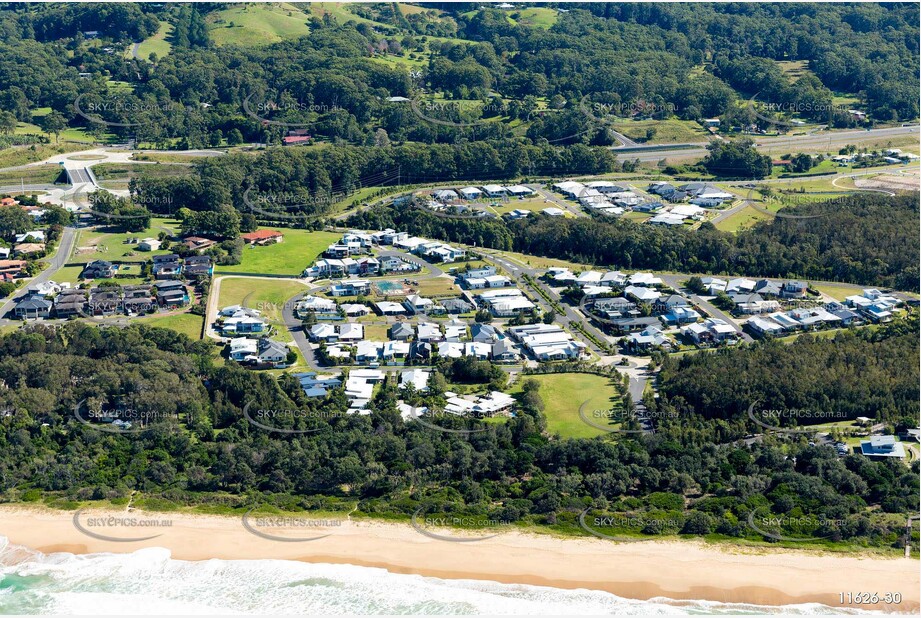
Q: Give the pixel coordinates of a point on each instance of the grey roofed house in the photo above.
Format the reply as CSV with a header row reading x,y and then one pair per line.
x,y
33,306
634,323
456,305
99,269
419,349
484,333
504,350
272,351
767,288
169,285
401,331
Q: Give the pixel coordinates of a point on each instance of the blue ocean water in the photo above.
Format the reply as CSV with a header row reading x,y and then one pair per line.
x,y
149,581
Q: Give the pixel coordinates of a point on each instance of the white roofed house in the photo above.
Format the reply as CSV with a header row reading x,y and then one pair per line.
x,y
351,287
711,330
394,350
570,188
494,190
505,302
478,350
642,294
313,304
368,351
350,332
519,190
429,332
242,348
445,195
323,332
355,310
419,379
470,193
417,304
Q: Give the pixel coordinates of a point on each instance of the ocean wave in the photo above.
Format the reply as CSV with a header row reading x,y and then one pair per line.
x,y
149,581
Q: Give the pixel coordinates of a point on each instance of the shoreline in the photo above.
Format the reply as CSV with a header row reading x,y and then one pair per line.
x,y
678,570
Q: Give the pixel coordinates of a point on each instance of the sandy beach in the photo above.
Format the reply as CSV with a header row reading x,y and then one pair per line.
x,y
641,570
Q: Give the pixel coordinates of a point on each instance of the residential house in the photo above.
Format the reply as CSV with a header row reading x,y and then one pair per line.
x,y
197,266
368,351
882,447
484,333
416,304
711,330
354,310
149,244
166,266
10,269
401,331
649,338
471,193
386,307
519,191
98,269
323,332
33,306
197,243
456,305
793,289
70,303
418,378
446,195
262,237
503,351
351,331
351,287
429,332
395,350
455,331
313,304
243,348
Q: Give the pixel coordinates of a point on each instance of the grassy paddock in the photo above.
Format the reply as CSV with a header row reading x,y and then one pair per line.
x,y
298,250
564,393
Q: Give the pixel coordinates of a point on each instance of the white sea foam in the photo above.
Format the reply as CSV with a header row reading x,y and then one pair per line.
x,y
149,581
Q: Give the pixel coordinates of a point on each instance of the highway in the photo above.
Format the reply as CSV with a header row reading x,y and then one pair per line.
x,y
825,141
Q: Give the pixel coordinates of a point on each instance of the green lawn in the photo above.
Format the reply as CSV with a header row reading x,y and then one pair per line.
x,y
126,171
266,295
20,155
743,219
297,251
838,292
670,131
109,243
156,44
564,393
257,24
186,323
540,17
38,175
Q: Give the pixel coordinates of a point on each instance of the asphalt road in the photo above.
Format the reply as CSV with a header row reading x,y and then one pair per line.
x,y
61,256
827,140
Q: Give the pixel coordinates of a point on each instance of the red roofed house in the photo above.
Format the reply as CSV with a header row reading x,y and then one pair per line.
x,y
9,269
8,201
262,237
295,139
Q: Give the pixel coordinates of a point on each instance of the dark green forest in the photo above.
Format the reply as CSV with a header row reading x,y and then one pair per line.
x,y
689,61
198,448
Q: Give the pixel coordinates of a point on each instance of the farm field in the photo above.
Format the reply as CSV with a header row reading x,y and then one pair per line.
x,y
109,243
265,295
671,131
564,393
745,218
290,257
156,44
253,25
